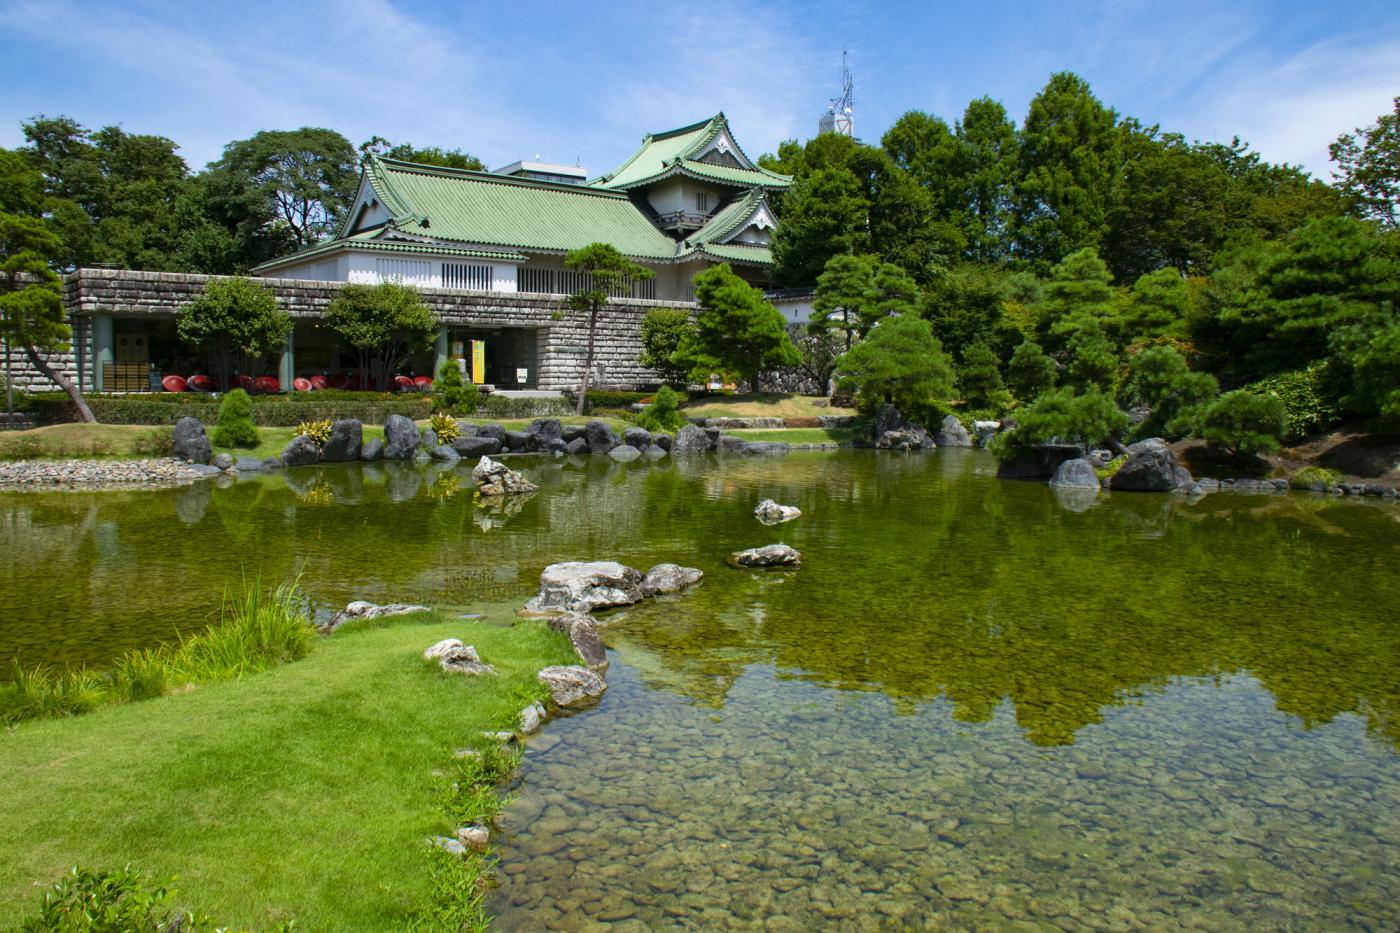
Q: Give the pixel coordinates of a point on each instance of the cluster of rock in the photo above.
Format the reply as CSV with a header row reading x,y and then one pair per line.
x,y
366,610
105,474
494,478
771,513
582,586
693,439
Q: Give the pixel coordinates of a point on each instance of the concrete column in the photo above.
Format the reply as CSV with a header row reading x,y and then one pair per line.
x,y
102,348
287,366
439,351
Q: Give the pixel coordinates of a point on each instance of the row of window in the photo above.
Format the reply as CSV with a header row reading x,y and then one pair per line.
x,y
481,278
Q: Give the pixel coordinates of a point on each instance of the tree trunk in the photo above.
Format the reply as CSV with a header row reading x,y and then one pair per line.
x,y
587,361
64,383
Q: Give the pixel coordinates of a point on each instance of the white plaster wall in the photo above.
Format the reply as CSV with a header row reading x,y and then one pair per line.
x,y
363,269
797,311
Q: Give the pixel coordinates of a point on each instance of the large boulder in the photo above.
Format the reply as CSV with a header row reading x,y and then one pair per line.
x,y
546,429
479,446
772,555
582,630
763,448
1039,461
669,578
730,444
190,442
445,453
494,478
572,687
663,441
222,462
952,433
910,438
639,438
887,419
582,586
401,438
576,447
302,451
771,513
1075,474
493,430
601,438
520,442
624,453
984,431
654,452
692,440
373,450
344,443
1150,469
573,432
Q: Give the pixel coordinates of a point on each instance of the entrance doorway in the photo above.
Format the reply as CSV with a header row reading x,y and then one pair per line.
x,y
511,354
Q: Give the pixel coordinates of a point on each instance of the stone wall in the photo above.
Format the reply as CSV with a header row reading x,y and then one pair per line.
x,y
563,332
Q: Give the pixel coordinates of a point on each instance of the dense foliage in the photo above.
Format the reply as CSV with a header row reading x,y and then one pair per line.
x,y
663,414
663,329
900,363
452,393
236,323
235,426
384,324
737,332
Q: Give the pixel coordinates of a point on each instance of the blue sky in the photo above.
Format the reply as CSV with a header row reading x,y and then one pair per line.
x,y
583,82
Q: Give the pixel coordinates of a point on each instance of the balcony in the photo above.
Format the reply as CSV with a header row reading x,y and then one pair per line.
x,y
682,220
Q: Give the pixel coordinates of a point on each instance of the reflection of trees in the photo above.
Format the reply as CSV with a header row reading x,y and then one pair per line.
x,y
923,577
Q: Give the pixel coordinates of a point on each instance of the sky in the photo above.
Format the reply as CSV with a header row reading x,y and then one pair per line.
x,y
581,83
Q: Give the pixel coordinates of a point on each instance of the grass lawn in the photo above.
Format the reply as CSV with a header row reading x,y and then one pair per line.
x,y
304,792
797,435
764,405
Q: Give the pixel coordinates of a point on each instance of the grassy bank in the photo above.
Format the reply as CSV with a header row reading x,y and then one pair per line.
x,y
303,792
797,435
763,405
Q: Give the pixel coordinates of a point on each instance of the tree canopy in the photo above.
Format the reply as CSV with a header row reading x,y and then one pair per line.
x,y
736,330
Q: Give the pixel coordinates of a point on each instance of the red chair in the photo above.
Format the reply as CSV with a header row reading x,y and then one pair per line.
x,y
423,383
201,383
301,385
268,384
403,383
245,382
318,381
338,381
173,383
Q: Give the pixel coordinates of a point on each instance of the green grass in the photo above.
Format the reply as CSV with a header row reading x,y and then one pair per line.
x,y
303,792
85,441
797,435
763,405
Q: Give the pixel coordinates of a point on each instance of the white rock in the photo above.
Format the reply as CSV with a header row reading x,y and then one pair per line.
x,y
443,648
771,513
571,687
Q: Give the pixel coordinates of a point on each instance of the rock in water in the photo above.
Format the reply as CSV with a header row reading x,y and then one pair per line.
x,y
692,440
952,433
772,555
909,438
367,610
1039,461
400,438
546,429
222,461
624,453
302,451
494,478
480,446
771,513
601,438
985,431
1150,469
669,578
582,586
373,450
345,441
190,441
1075,474
639,438
475,837
572,687
582,630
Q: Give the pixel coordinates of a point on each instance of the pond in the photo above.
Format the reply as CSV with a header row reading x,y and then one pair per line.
x,y
976,704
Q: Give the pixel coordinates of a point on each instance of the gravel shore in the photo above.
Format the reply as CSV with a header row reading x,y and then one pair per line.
x,y
96,474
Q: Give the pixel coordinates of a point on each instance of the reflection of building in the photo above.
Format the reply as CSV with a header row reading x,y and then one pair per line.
x,y
487,249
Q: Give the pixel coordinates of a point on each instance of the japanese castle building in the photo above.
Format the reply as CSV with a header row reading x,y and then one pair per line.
x,y
686,199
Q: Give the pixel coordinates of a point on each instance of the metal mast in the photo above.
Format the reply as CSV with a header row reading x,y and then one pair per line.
x,y
840,112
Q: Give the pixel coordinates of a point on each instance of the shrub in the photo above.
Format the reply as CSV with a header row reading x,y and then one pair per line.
x,y
268,410
1307,476
1241,422
319,430
1030,372
902,363
500,406
1061,415
663,414
451,392
980,379
157,442
88,901
1307,404
235,425
1093,361
1160,379
445,427
663,329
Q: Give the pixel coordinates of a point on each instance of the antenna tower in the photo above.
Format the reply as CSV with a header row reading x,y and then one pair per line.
x,y
840,112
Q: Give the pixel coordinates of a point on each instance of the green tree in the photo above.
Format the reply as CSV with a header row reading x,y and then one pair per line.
x,y
736,330
235,426
384,324
306,178
844,291
663,329
1068,172
1030,372
824,214
1240,421
1159,304
1376,376
663,414
604,270
453,394
31,307
900,363
1159,379
237,323
428,155
1368,168
1088,418
980,378
1079,293
988,153
966,304
1092,360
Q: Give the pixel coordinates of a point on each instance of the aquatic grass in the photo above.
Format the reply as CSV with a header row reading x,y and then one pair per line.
x,y
44,692
140,675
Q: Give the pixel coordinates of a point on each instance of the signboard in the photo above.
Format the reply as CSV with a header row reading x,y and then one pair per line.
x,y
522,376
479,361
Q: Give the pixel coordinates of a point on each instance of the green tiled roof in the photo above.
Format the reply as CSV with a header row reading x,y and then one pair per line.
x,y
367,240
734,252
674,152
483,209
729,220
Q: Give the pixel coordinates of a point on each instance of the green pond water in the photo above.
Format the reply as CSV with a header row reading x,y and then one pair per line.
x,y
977,705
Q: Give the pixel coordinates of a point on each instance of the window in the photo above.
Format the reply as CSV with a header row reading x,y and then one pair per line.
x,y
405,271
458,275
702,201
540,281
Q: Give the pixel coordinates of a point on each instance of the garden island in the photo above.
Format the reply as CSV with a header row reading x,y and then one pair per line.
x,y
992,526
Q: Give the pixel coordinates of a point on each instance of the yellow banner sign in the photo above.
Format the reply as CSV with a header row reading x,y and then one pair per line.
x,y
479,361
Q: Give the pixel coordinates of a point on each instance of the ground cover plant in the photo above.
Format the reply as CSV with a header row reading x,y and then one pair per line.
x,y
261,796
